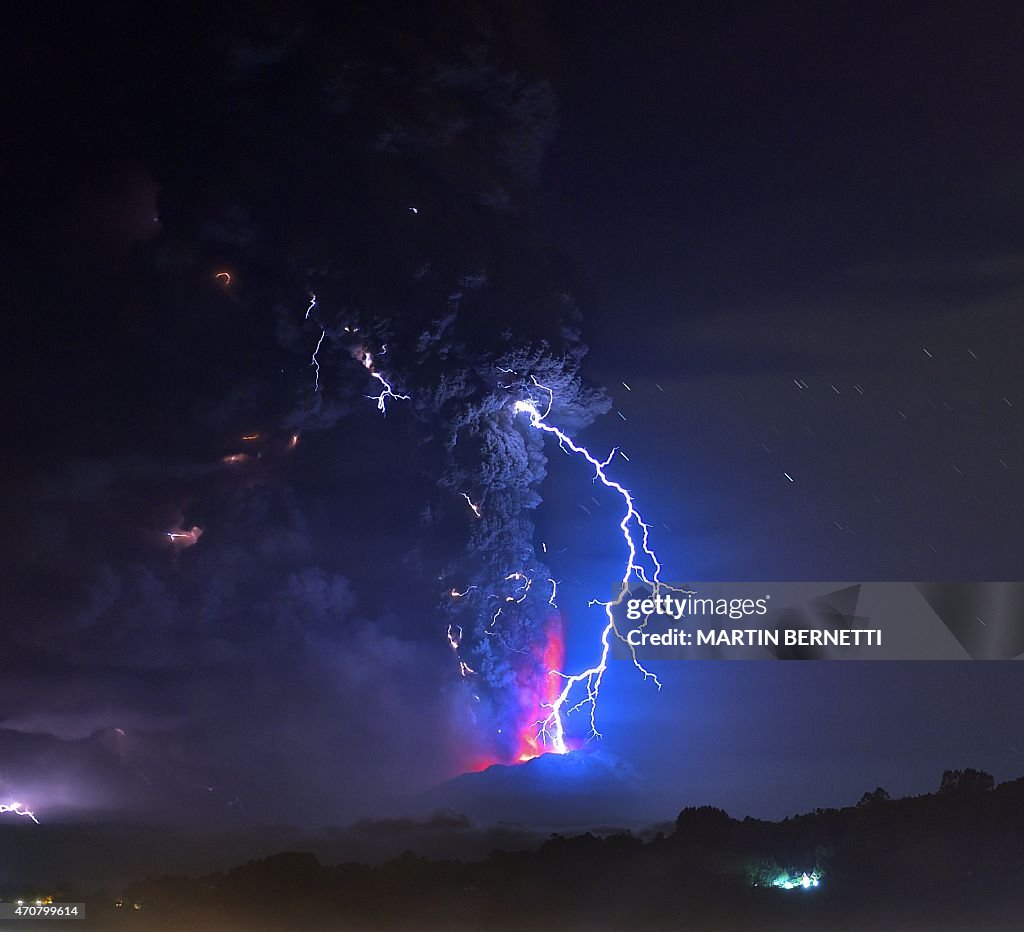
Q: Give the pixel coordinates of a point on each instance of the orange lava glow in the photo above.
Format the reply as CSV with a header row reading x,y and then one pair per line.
x,y
549,657
539,688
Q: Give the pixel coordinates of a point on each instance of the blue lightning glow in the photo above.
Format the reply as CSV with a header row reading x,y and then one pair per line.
x,y
642,564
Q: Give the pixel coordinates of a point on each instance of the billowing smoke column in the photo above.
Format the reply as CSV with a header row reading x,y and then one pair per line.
x,y
504,626
491,413
503,599
398,257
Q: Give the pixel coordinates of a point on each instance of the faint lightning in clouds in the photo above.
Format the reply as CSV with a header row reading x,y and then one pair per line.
x,y
473,506
17,809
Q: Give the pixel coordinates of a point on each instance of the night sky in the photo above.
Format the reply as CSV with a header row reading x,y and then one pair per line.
x,y
794,234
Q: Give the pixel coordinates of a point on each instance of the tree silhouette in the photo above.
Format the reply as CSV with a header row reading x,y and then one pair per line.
x,y
966,781
874,797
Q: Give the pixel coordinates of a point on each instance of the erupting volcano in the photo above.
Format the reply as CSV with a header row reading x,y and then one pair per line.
x,y
537,703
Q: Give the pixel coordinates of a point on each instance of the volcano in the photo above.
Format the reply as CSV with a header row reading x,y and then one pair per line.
x,y
579,789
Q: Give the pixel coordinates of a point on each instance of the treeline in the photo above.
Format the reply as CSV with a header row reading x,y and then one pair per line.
x,y
948,860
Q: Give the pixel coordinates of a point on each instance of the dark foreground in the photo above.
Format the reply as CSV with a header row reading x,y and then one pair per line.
x,y
950,860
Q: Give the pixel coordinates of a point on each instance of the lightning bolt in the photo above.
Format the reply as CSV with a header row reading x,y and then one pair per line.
x,y
184,538
18,809
524,588
455,638
386,391
642,563
315,363
474,507
554,593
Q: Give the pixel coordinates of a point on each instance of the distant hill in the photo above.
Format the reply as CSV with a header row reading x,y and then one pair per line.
x,y
107,772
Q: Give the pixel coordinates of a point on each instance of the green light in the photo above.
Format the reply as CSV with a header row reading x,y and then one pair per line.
x,y
801,881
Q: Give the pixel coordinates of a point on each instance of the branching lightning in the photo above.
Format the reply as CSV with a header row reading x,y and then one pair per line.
x,y
365,357
386,391
642,564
